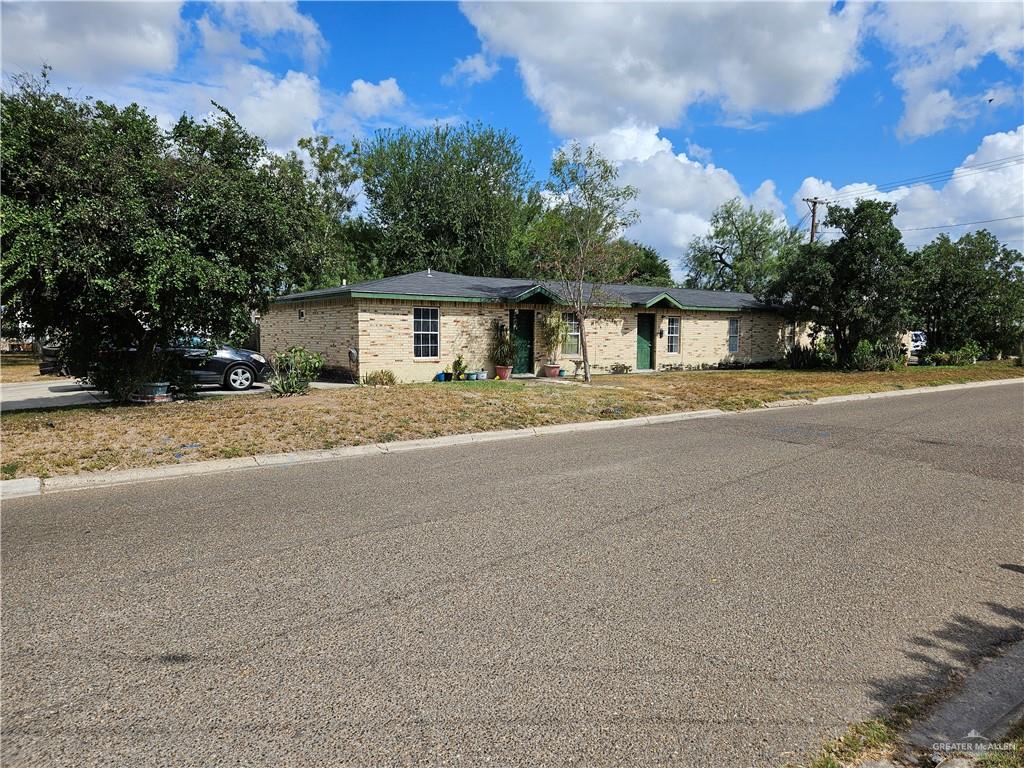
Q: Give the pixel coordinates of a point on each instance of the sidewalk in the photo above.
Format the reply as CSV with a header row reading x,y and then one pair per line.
x,y
50,393
62,393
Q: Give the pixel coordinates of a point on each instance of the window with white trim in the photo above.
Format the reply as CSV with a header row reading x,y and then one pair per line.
x,y
791,334
672,337
571,345
426,332
734,334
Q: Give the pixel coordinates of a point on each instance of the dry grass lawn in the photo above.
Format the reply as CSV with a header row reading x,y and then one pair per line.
x,y
71,440
734,390
19,367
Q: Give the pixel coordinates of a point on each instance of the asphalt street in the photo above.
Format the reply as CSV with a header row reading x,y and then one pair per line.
x,y
723,592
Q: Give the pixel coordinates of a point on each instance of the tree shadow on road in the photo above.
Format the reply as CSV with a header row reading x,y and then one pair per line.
x,y
942,657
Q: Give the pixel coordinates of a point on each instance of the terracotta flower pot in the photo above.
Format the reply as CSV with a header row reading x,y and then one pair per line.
x,y
503,372
551,371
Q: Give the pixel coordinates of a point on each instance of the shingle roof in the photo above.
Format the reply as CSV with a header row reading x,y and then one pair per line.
x,y
446,286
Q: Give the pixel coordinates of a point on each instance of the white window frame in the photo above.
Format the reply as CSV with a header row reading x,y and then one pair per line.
x,y
570,319
677,336
791,334
734,337
436,333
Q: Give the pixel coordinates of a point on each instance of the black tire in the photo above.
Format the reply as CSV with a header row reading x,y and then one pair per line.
x,y
239,378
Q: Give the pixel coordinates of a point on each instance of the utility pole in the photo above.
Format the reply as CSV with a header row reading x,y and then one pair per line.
x,y
813,203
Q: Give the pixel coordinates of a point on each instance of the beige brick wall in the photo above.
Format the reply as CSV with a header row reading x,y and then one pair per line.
x,y
381,331
328,327
704,339
385,336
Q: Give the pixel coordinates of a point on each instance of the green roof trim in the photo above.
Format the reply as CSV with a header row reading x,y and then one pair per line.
x,y
657,300
551,295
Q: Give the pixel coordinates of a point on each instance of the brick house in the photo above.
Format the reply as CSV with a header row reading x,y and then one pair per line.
x,y
416,324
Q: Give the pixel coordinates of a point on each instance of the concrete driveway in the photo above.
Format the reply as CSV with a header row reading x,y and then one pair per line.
x,y
726,592
58,393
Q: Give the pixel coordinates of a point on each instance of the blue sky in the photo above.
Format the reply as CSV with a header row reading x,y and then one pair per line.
x,y
696,103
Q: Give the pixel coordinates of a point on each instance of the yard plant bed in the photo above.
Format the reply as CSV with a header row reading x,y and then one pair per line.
x,y
72,440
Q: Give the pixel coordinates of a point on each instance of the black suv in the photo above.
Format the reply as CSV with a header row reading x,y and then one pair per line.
x,y
209,363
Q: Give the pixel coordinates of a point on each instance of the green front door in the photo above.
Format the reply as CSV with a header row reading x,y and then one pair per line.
x,y
644,342
521,323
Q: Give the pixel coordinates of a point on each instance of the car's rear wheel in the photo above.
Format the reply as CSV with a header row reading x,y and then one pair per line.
x,y
239,378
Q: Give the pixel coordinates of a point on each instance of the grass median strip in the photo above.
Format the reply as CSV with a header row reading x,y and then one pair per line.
x,y
93,438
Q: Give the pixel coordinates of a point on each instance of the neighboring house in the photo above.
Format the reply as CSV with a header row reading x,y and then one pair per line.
x,y
416,324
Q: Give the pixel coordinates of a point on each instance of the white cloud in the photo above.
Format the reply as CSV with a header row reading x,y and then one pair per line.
x,y
697,152
366,100
278,22
91,42
130,52
471,70
933,44
591,67
971,195
677,194
281,110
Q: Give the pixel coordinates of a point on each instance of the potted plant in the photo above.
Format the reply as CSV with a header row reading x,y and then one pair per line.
x,y
459,368
503,353
447,373
553,331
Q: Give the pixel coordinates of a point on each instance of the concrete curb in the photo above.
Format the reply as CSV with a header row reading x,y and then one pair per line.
x,y
34,486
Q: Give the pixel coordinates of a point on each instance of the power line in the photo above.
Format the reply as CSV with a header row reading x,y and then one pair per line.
x,y
943,226
962,224
960,172
996,164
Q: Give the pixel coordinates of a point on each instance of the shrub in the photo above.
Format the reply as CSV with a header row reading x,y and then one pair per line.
x,y
799,357
293,370
381,378
620,368
864,357
553,330
966,355
120,373
503,349
459,368
971,351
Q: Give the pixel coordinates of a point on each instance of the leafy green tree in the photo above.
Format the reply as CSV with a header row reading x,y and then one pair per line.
x,y
580,231
971,289
742,252
321,197
643,265
857,287
118,235
454,198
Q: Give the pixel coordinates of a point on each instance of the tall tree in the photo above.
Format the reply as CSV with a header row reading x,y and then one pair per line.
x,y
318,183
454,198
742,252
643,265
119,235
589,211
971,289
857,287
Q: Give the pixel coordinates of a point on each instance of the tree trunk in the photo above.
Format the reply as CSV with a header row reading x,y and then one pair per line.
x,y
583,349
